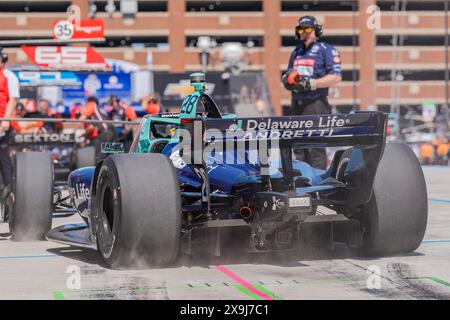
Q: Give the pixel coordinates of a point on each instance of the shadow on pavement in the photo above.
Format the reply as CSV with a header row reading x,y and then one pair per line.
x,y
4,236
233,254
79,254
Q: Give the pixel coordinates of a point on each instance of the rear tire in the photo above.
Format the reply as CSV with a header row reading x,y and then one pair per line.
x,y
137,211
85,157
395,218
31,216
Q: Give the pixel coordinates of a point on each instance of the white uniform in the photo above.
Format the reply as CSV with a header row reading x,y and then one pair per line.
x,y
13,84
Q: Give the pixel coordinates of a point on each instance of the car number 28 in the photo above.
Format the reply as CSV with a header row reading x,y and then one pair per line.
x,y
189,104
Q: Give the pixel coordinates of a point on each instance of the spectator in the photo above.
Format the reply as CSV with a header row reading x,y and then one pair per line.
x,y
98,132
122,112
24,126
426,153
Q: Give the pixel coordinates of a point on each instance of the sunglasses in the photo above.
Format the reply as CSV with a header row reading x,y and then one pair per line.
x,y
305,30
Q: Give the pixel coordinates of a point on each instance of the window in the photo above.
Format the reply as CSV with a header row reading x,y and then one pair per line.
x,y
295,5
152,6
412,5
128,41
412,75
143,6
208,6
338,41
257,41
34,6
350,75
411,40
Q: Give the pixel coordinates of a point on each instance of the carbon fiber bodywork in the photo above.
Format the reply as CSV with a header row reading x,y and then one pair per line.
x,y
275,202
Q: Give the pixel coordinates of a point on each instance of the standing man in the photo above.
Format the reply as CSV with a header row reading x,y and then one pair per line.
x,y
9,94
99,132
314,66
120,111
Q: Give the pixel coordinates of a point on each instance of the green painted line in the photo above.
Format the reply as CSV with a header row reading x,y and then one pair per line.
x,y
247,292
219,285
437,280
264,290
58,295
258,287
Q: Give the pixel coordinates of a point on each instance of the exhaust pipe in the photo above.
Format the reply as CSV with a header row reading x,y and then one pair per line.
x,y
246,212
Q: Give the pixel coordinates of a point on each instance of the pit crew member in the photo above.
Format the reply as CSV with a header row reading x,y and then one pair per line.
x,y
9,95
314,66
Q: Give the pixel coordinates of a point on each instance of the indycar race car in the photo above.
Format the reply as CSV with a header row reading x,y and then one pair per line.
x,y
201,172
67,152
67,148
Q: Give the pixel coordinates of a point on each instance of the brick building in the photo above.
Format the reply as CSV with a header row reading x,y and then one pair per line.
x,y
408,46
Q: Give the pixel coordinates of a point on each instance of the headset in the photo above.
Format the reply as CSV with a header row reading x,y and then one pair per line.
x,y
3,56
317,27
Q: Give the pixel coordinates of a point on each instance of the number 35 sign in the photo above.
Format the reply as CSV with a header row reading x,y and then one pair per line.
x,y
85,29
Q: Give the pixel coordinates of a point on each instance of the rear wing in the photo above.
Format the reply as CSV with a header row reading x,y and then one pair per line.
x,y
360,128
365,132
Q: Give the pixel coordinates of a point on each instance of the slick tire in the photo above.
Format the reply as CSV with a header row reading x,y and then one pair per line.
x,y
85,157
395,218
32,210
137,211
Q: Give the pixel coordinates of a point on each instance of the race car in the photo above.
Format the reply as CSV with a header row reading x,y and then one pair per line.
x,y
203,173
67,148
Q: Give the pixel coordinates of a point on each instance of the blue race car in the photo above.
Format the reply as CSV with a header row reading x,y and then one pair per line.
x,y
203,174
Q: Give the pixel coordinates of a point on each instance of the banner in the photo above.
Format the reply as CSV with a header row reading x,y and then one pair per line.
x,y
47,78
100,85
65,57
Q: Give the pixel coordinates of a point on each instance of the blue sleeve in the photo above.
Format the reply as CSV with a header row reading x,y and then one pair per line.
x,y
291,59
333,61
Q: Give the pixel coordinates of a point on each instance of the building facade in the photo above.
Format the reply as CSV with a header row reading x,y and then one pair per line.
x,y
393,52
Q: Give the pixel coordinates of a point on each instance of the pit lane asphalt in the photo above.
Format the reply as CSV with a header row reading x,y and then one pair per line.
x,y
41,270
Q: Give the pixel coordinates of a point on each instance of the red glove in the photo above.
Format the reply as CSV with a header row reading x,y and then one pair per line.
x,y
293,81
293,77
